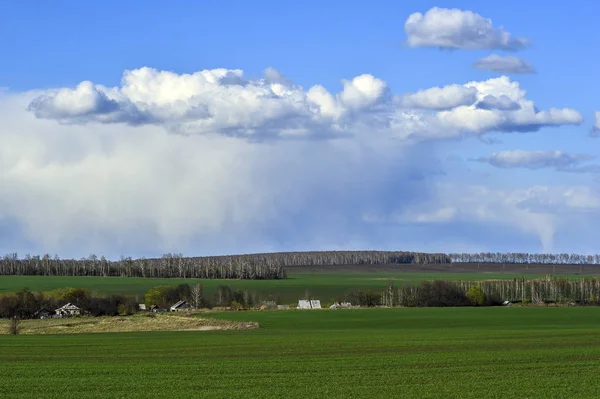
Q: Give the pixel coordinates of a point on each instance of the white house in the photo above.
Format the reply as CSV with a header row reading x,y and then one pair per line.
x,y
306,304
68,310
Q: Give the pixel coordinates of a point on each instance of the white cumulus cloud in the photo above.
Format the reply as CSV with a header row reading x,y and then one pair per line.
x,y
221,101
504,64
458,29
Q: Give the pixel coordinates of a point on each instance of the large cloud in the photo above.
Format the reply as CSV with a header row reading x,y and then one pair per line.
x,y
120,189
458,29
504,64
216,101
220,101
107,179
557,159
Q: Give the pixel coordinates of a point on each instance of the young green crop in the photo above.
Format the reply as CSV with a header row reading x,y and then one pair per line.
x,y
327,286
409,353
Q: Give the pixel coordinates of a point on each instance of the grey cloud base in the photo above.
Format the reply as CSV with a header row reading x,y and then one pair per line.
x,y
504,64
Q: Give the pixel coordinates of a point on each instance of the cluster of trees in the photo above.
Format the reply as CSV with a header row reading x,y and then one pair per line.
x,y
165,296
493,292
542,290
24,304
526,258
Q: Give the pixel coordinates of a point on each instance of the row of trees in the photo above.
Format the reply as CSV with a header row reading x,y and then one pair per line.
x,y
252,267
169,265
257,266
494,292
526,258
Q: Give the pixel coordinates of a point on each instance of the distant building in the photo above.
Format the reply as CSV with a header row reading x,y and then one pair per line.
x,y
68,310
157,309
179,306
142,306
306,304
341,305
268,305
43,313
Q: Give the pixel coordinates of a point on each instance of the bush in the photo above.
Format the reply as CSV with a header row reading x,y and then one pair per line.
x,y
476,296
440,294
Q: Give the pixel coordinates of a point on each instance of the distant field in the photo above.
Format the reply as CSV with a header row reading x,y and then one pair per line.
x,y
374,353
325,283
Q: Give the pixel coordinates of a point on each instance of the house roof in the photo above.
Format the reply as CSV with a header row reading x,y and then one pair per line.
x,y
68,306
178,304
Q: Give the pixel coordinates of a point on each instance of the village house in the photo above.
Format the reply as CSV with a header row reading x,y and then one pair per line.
x,y
68,310
43,313
180,306
157,309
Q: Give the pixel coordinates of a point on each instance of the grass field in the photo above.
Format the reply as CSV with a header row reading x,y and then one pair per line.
x,y
326,285
409,353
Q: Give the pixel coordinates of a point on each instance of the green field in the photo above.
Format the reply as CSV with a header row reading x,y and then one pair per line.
x,y
410,353
326,286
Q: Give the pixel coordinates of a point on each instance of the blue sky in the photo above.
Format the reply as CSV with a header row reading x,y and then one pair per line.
x,y
84,165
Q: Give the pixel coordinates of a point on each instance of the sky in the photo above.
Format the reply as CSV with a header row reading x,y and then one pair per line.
x,y
205,128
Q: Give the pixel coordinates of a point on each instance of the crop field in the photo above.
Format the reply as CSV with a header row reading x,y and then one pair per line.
x,y
502,352
327,284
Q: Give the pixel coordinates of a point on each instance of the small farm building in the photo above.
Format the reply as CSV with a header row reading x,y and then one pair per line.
x,y
306,304
156,309
68,310
179,306
268,305
341,305
142,306
43,313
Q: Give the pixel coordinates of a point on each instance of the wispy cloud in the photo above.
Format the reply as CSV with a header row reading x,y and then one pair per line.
x,y
508,64
557,160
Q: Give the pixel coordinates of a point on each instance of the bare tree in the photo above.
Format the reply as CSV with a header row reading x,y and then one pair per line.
x,y
197,295
14,327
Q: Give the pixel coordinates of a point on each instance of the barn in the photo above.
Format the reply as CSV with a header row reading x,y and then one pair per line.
x,y
180,306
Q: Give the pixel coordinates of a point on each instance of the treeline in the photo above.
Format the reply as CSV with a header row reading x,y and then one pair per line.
x,y
253,267
264,266
24,304
493,292
526,258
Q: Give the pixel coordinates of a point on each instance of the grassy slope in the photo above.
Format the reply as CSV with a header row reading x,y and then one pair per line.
x,y
433,353
322,285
